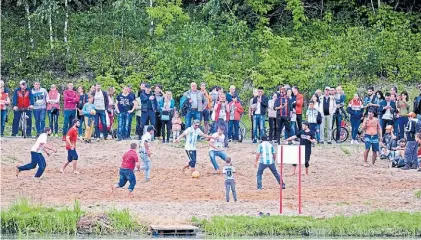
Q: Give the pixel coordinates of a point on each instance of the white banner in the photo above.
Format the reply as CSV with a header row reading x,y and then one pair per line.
x,y
290,153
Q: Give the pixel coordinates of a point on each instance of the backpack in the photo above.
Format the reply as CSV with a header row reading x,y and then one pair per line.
x,y
184,106
319,118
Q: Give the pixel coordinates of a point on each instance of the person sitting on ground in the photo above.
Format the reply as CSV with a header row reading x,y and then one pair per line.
x,y
229,171
130,161
388,143
399,159
307,137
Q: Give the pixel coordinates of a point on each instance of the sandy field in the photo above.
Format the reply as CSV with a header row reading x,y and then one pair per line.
x,y
338,183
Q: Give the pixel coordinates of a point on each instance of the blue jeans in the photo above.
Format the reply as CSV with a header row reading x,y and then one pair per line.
x,y
36,159
3,121
147,117
337,119
258,124
146,165
355,125
80,129
293,130
233,127
402,121
127,175
196,115
100,114
16,119
260,170
39,115
69,115
129,128
213,154
314,127
53,119
123,125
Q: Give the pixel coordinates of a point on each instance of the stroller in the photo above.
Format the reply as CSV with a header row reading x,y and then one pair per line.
x,y
110,121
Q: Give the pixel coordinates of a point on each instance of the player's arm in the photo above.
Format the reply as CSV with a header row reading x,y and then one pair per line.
x,y
181,136
148,151
212,144
50,147
291,138
365,124
379,129
257,159
69,142
136,159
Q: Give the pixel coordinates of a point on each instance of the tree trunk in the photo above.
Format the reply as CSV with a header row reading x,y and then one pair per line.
x,y
50,23
372,6
66,21
31,39
151,27
378,4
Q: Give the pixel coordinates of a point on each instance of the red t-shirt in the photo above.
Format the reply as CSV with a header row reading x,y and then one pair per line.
x,y
72,133
130,159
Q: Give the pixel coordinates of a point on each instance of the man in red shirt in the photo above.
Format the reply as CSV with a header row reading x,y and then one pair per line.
x,y
71,138
130,161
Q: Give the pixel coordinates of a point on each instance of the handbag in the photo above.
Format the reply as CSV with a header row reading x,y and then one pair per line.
x,y
165,116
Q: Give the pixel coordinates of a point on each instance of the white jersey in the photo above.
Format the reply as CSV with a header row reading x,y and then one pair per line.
x,y
229,172
146,138
191,140
42,139
218,141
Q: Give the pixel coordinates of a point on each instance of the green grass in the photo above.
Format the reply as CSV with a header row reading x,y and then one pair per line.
x,y
418,194
24,218
376,224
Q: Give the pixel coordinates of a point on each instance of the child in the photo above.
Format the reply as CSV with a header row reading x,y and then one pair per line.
x,y
145,152
388,143
234,118
307,137
130,161
89,112
312,114
229,171
399,159
71,138
176,125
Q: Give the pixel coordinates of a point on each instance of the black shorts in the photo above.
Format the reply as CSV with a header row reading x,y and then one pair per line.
x,y
192,158
72,155
205,116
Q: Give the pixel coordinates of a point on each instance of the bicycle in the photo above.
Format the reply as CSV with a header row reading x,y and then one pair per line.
x,y
344,134
23,121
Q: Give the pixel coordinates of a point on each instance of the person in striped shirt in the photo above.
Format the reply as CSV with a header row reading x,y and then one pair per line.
x,y
265,157
191,134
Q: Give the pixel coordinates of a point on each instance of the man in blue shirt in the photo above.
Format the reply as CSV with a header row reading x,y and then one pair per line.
x,y
126,104
149,107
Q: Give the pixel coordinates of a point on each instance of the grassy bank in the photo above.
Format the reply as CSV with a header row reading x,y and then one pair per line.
x,y
26,218
376,224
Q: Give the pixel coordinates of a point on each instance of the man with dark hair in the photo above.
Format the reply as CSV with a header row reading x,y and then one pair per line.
x,y
411,149
260,104
370,102
298,104
283,109
417,104
129,163
149,107
265,158
126,104
71,139
36,154
22,101
373,134
388,109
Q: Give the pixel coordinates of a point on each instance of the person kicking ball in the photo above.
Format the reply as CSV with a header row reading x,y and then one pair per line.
x,y
71,138
307,137
130,161
36,154
192,134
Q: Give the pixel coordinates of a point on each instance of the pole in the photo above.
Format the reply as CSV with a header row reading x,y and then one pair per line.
x,y
299,180
282,180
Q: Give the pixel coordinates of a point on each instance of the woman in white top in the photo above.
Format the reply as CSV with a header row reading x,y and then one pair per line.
x,y
315,98
272,117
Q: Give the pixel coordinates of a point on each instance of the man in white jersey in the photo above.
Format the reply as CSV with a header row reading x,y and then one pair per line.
x,y
265,157
36,155
192,134
216,148
145,151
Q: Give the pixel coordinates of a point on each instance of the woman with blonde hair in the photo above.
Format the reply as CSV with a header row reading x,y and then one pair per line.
x,y
166,108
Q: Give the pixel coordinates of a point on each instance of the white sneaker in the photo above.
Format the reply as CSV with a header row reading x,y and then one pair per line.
x,y
353,141
356,142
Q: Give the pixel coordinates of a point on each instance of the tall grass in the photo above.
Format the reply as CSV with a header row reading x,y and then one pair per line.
x,y
376,224
23,218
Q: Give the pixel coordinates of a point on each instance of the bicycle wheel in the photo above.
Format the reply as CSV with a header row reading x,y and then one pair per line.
x,y
242,132
343,135
23,119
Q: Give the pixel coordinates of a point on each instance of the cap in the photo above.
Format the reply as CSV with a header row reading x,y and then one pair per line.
x,y
22,82
75,121
150,128
147,85
196,122
327,88
389,127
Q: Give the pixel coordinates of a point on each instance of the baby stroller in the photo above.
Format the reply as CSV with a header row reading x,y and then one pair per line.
x,y
110,121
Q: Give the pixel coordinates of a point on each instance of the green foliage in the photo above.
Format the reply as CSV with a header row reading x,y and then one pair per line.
x,y
376,224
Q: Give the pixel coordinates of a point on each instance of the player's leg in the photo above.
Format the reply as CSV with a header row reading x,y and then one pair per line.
x,y
259,174
213,160
132,181
122,180
69,160
375,148
227,190
29,166
193,155
75,159
41,165
234,192
307,163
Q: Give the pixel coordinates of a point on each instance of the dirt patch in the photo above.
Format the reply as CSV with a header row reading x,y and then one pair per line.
x,y
94,223
338,183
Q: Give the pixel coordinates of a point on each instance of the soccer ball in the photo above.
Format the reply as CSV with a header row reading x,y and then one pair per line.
x,y
195,174
93,112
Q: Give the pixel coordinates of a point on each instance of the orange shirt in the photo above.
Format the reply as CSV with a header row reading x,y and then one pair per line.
x,y
72,133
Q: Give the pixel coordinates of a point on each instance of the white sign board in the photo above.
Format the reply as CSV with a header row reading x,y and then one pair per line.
x,y
290,153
